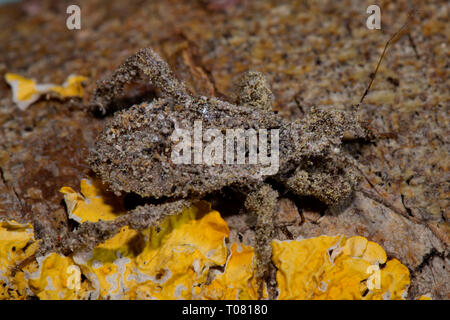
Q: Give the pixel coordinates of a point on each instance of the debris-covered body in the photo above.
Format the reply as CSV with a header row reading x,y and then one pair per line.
x,y
134,153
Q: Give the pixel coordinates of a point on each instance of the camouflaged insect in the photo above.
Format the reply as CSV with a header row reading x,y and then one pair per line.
x,y
133,153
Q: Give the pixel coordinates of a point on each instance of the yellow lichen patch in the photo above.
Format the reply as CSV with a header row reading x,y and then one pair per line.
x,y
179,253
57,277
15,289
16,244
360,247
164,262
238,280
394,282
15,240
71,87
110,263
126,243
301,264
27,91
174,260
93,204
337,268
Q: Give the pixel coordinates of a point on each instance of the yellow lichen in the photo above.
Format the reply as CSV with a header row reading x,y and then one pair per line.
x,y
108,266
394,281
300,265
16,244
93,204
337,268
57,278
27,91
164,262
180,260
181,257
238,281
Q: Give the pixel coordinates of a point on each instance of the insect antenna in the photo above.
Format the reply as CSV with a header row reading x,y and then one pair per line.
x,y
395,37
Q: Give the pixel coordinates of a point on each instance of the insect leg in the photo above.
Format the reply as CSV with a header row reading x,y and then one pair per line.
x,y
90,234
262,203
144,62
